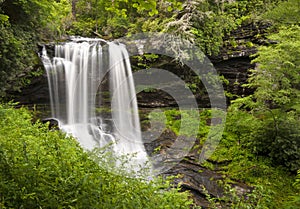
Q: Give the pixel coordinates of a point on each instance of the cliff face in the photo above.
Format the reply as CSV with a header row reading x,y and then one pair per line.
x,y
233,62
234,59
235,70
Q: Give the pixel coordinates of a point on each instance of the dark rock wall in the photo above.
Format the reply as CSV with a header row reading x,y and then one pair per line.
x,y
233,62
35,93
235,70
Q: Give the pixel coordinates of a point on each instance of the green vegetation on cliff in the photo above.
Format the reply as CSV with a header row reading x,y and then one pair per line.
x,y
22,25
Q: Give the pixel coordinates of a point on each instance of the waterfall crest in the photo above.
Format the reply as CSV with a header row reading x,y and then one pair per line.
x,y
93,96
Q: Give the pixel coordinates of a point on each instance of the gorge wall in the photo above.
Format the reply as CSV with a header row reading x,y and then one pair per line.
x,y
233,62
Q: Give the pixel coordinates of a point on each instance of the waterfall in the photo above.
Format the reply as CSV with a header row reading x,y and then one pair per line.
x,y
93,96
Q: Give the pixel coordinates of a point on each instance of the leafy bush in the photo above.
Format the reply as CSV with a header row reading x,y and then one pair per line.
x,y
287,12
279,138
237,158
17,59
268,122
271,133
45,169
22,25
294,200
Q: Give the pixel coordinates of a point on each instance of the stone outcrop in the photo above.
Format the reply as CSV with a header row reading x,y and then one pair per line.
x,y
192,175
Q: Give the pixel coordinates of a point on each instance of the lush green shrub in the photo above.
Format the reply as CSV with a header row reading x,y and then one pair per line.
x,y
279,138
236,157
22,25
271,133
45,169
287,12
18,60
294,200
268,121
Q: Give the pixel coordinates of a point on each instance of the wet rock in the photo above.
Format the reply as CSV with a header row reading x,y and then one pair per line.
x,y
37,92
192,176
53,123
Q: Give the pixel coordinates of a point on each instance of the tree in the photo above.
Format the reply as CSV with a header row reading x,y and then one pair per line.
x,y
273,130
287,12
119,17
277,77
22,25
74,8
204,23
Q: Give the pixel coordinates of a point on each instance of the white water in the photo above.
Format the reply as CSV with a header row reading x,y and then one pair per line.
x,y
80,74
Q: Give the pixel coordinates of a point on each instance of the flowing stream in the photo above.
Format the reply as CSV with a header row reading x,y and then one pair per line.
x,y
93,96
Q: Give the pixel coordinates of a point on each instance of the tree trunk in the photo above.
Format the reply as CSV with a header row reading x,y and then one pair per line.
x,y
74,9
96,17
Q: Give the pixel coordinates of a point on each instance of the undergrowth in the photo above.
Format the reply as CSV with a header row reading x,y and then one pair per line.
x,y
273,185
40,168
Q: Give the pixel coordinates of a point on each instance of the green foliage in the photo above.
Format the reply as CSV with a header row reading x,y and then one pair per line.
x,y
207,23
271,133
33,15
262,130
236,160
118,18
3,19
260,197
59,19
184,122
294,200
45,169
277,76
286,13
244,8
211,26
272,187
276,80
272,127
22,25
204,23
297,182
144,61
17,59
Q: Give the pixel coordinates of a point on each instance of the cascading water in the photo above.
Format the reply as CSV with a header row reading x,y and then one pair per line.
x,y
85,77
